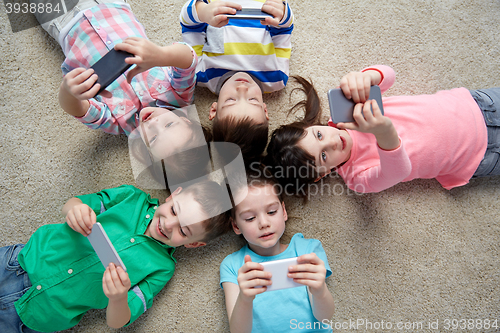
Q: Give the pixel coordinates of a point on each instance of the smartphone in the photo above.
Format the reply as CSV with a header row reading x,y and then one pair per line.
x,y
341,108
110,67
103,247
279,269
249,14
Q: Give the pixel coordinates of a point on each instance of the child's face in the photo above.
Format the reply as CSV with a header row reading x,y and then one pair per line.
x,y
329,146
260,217
179,221
163,131
240,96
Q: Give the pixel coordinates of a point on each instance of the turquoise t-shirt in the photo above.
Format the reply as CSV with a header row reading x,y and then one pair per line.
x,y
285,310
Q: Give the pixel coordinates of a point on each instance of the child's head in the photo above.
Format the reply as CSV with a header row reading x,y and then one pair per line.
x,y
240,116
305,151
191,216
240,96
260,216
166,132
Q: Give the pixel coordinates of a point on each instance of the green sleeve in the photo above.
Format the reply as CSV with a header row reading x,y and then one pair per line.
x,y
140,296
106,199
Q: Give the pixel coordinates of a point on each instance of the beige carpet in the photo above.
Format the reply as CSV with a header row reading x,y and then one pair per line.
x,y
415,253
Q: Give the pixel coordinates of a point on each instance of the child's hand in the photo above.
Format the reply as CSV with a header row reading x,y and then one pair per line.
x,y
250,275
81,218
310,271
213,13
356,86
80,83
146,55
375,123
115,283
277,9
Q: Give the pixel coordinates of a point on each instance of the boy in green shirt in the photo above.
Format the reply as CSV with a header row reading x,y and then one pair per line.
x,y
49,284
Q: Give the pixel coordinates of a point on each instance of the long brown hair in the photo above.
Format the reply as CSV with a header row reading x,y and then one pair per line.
x,y
291,165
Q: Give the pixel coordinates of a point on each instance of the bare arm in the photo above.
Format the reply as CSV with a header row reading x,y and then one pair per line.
x,y
148,55
239,310
311,272
116,284
239,298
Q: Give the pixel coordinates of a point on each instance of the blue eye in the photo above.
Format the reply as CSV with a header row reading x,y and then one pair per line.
x,y
152,139
169,124
323,156
319,135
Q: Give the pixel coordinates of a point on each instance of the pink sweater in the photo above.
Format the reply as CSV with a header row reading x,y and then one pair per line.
x,y
443,136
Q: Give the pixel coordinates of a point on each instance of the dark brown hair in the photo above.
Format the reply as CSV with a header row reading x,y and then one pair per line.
x,y
211,196
250,136
283,152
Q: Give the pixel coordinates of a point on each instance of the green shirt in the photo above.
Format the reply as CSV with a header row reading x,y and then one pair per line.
x,y
66,274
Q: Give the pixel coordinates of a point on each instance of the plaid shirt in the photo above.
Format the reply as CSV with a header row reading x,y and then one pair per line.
x,y
100,28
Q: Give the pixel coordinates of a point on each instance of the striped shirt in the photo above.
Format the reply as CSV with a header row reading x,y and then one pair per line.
x,y
99,30
241,45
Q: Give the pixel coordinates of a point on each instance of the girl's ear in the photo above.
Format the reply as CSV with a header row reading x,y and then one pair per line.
x,y
235,226
213,111
265,110
285,215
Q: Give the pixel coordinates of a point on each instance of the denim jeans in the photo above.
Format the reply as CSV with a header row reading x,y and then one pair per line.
x,y
14,282
54,26
489,103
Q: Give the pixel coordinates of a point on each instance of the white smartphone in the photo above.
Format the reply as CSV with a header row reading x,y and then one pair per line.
x,y
103,247
249,14
341,108
279,269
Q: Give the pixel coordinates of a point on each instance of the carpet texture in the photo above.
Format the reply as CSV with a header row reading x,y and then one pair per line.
x,y
415,253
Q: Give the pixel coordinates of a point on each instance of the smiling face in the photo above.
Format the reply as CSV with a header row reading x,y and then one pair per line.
x,y
261,217
179,221
240,96
329,146
163,132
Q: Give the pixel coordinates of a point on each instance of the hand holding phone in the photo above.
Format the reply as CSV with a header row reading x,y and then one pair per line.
x,y
341,108
250,14
110,67
103,247
310,271
279,271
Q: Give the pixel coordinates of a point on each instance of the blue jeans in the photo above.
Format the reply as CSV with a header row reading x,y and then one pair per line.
x,y
489,103
14,282
54,26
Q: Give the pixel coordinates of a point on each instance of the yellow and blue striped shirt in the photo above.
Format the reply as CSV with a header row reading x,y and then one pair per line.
x,y
241,45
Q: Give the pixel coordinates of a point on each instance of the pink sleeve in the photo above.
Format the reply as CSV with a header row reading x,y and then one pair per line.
x,y
388,76
394,167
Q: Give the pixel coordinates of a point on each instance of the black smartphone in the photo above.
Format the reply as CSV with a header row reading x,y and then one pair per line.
x,y
249,14
341,108
110,67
